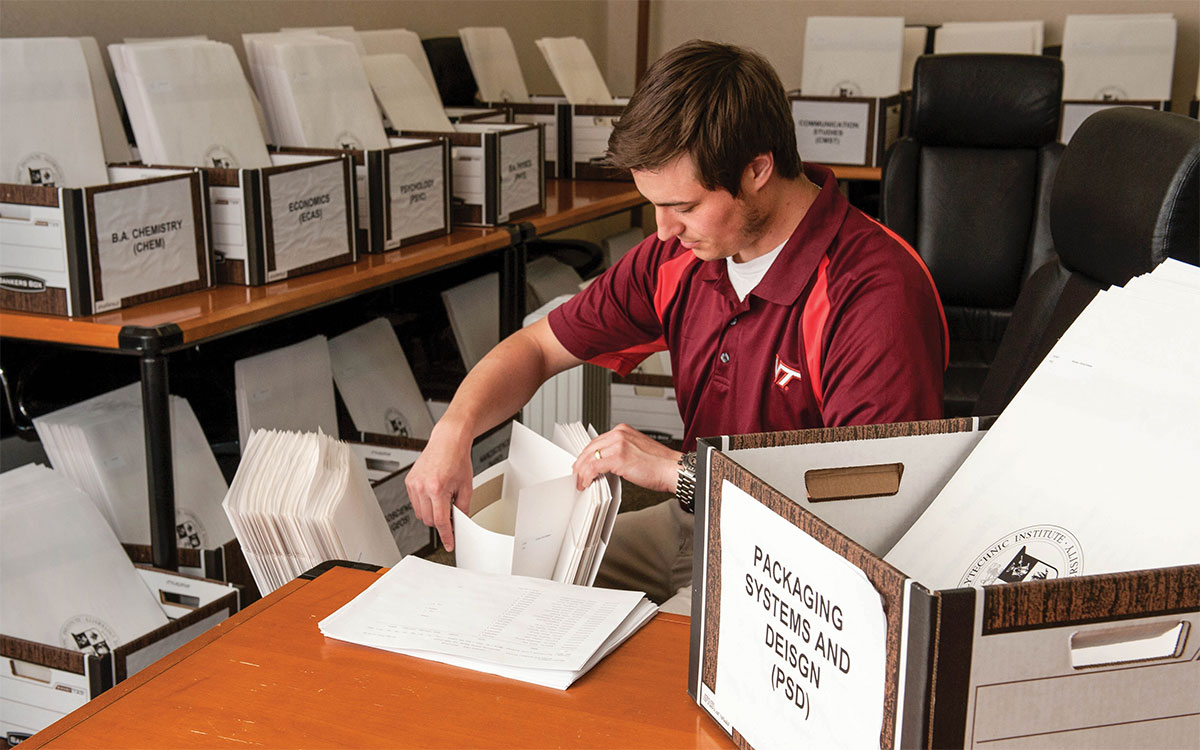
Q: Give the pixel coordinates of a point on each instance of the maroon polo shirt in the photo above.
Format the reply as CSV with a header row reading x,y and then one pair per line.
x,y
845,328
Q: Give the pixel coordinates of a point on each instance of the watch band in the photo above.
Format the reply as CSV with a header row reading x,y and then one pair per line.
x,y
685,483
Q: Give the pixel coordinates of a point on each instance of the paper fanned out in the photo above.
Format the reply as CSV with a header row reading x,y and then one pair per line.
x,y
290,388
855,56
376,382
526,629
48,115
1091,467
575,69
99,444
64,578
299,499
493,61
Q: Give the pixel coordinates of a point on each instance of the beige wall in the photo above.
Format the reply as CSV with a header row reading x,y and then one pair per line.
x,y
776,27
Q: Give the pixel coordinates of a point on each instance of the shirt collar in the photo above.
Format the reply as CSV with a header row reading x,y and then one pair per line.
x,y
790,273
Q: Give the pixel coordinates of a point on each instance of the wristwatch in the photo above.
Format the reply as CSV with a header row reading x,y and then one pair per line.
x,y
685,483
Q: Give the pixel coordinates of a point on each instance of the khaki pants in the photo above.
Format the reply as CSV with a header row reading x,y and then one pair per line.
x,y
651,551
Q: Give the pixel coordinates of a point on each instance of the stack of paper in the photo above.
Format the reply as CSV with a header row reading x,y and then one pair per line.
x,y
399,42
1014,37
376,383
314,90
547,278
526,517
858,56
493,61
471,308
341,33
1091,468
915,38
64,578
48,115
100,445
1118,57
522,628
575,69
112,132
408,100
189,104
290,388
299,499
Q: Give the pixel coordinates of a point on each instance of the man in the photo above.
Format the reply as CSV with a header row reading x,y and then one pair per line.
x,y
782,307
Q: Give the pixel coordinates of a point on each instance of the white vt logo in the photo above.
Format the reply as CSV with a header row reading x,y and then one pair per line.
x,y
784,374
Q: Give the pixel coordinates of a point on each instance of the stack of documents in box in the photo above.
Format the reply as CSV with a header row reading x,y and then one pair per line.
x,y
100,445
376,383
493,61
408,100
471,308
189,104
1091,468
299,499
290,388
527,518
314,91
400,42
48,115
523,628
575,69
112,131
1011,37
1115,57
858,56
341,33
64,578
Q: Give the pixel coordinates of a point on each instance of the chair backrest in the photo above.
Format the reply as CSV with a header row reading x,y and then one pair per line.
x,y
1127,197
448,61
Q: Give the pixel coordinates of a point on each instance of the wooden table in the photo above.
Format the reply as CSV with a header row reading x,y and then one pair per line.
x,y
268,678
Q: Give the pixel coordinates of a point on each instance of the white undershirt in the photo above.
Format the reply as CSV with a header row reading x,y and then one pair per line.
x,y
745,276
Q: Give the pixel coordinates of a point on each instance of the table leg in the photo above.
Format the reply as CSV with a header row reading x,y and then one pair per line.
x,y
512,287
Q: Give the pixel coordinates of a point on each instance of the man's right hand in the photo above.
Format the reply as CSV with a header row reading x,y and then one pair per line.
x,y
442,476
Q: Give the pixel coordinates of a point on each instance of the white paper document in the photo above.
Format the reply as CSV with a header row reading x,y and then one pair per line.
x,y
406,98
524,628
65,580
471,308
290,388
1113,57
1011,37
376,382
575,69
855,56
51,133
1091,467
493,61
400,42
112,132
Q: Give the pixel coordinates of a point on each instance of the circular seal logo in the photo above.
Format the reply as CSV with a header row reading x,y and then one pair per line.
x,y
1111,94
189,532
348,140
39,169
1029,554
396,424
219,156
846,88
89,634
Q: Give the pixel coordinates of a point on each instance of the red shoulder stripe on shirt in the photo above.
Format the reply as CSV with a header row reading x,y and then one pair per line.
x,y
812,328
669,276
936,296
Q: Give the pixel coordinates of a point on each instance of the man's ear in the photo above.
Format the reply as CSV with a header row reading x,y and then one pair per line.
x,y
758,171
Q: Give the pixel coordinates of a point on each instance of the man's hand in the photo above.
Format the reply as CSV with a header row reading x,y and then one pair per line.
x,y
631,455
441,477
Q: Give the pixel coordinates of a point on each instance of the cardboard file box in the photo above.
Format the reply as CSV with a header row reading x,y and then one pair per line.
x,y
40,683
1090,661
544,111
497,172
403,192
486,114
1074,112
81,251
851,130
590,126
224,563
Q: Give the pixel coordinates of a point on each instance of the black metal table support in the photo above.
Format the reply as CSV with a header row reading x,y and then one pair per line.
x,y
512,279
152,345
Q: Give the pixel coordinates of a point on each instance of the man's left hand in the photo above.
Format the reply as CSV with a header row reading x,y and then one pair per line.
x,y
630,455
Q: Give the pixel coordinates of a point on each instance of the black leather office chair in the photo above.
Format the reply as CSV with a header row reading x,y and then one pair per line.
x,y
451,71
968,188
1125,199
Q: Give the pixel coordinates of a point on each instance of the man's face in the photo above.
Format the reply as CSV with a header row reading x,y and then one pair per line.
x,y
711,223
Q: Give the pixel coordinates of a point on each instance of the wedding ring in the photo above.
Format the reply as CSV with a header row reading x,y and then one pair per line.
x,y
598,455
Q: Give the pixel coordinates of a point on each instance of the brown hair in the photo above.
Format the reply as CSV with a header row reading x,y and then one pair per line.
x,y
720,104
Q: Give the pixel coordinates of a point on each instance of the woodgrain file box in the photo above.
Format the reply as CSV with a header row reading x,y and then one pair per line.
x,y
1075,111
544,111
479,115
576,135
224,563
497,172
403,192
1090,661
851,130
294,217
40,683
80,251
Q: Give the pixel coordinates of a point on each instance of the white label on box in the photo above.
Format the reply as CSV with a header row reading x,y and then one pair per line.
x,y
364,195
832,132
802,634
228,222
146,240
418,192
519,170
308,216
